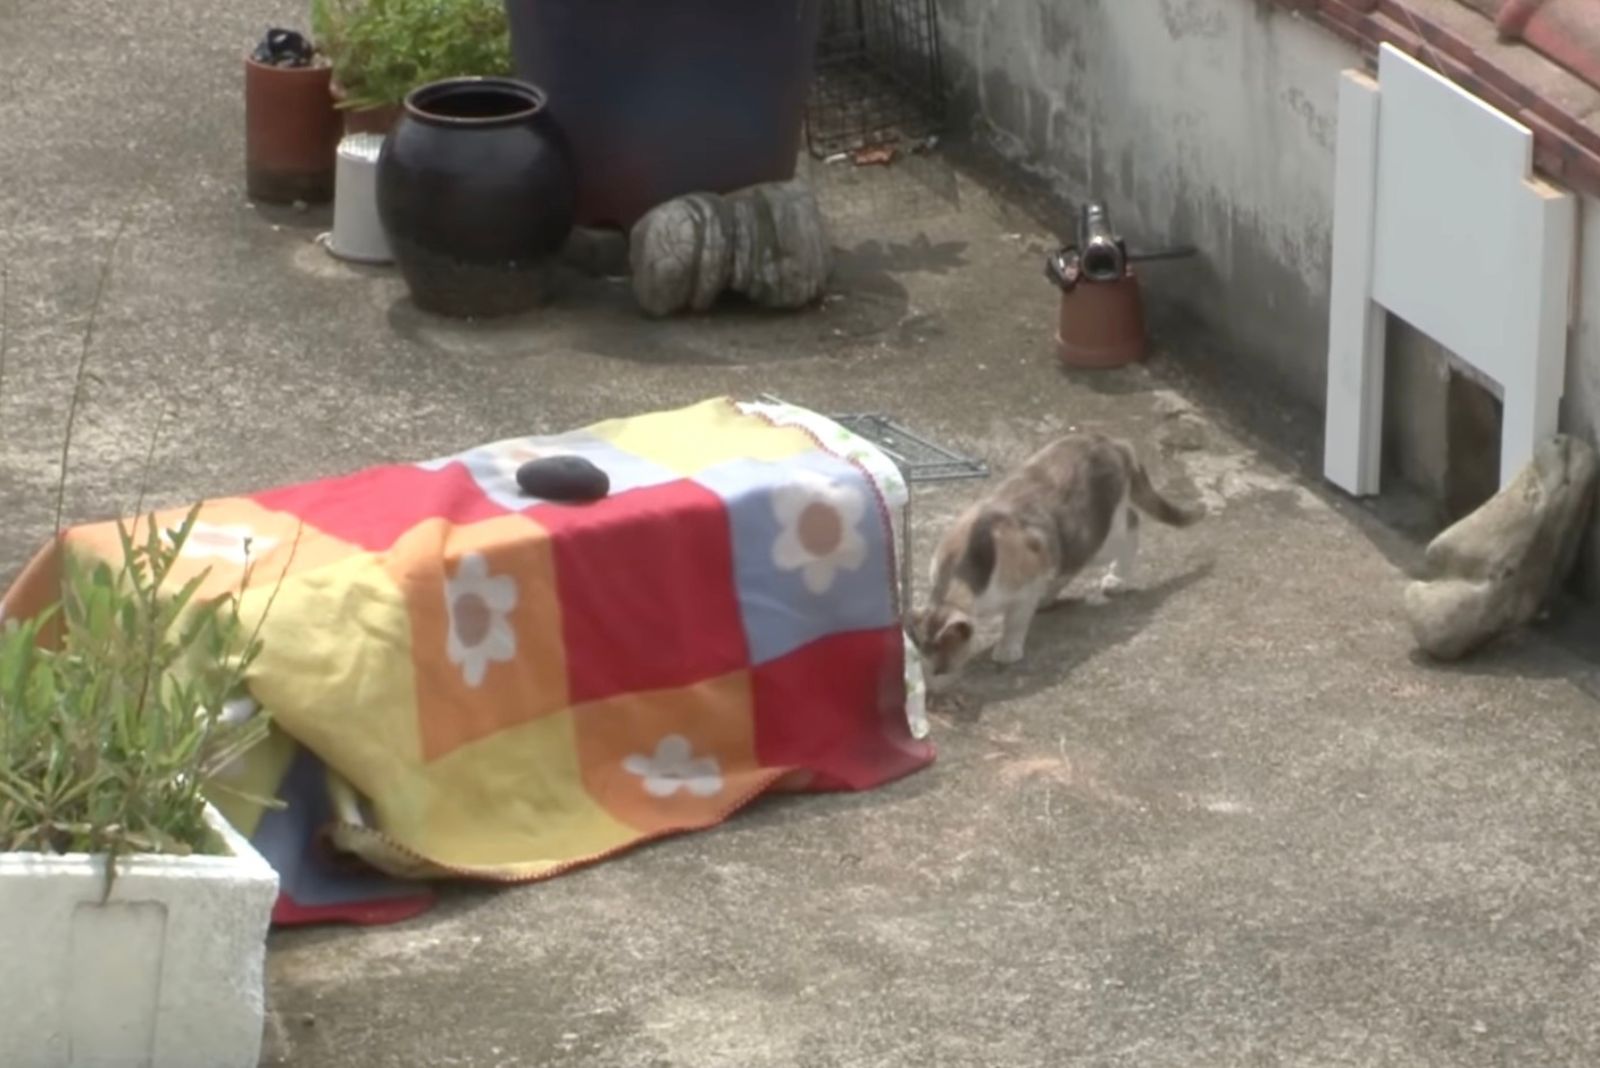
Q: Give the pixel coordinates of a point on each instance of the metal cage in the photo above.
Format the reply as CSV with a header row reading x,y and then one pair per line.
x,y
878,76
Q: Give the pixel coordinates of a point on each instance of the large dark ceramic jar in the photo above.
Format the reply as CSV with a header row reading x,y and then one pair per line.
x,y
476,193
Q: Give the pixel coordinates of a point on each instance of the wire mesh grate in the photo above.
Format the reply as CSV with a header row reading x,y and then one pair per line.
x,y
919,459
878,78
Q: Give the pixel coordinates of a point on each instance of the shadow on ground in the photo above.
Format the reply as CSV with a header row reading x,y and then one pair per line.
x,y
1063,637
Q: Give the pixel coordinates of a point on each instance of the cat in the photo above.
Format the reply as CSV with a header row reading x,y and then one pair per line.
x,y
1014,552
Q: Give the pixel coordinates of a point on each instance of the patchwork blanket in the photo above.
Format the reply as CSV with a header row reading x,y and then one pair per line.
x,y
465,681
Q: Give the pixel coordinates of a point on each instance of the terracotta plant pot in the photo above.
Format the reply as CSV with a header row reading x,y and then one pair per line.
x,y
291,133
1101,324
476,194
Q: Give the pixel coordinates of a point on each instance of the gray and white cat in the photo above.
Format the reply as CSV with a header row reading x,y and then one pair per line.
x,y
1075,501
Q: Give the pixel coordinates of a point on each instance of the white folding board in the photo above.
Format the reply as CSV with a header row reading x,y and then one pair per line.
x,y
1439,219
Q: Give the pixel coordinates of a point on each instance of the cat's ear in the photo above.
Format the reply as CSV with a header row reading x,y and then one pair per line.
x,y
956,632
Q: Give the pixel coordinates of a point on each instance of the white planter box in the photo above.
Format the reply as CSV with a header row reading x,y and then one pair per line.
x,y
166,974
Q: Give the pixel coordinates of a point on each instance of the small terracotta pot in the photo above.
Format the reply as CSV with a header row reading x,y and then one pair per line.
x,y
291,133
1101,324
378,120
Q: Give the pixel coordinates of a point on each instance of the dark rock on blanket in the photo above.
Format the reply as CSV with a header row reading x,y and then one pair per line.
x,y
563,478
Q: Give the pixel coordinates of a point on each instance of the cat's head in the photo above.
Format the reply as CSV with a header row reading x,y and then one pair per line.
x,y
943,637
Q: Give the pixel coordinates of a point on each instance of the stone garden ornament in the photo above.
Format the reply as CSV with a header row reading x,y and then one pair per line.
x,y
767,243
1497,567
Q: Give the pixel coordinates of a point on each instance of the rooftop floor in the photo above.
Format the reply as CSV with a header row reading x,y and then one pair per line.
x,y
1226,820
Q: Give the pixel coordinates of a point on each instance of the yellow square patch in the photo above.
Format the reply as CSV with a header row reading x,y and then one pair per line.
x,y
255,774
689,440
513,804
352,702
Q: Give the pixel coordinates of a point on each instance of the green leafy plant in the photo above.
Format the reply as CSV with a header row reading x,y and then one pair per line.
x,y
112,725
383,49
110,738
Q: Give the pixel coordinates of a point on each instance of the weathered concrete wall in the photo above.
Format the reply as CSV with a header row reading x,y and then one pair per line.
x,y
1580,407
1203,121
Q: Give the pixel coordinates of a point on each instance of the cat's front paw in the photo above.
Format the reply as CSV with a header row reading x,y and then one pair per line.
x,y
1007,654
1111,583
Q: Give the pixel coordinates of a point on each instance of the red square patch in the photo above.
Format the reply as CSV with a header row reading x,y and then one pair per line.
x,y
372,508
837,708
647,594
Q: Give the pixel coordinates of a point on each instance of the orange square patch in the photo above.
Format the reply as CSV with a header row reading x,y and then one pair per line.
x,y
485,627
668,760
234,542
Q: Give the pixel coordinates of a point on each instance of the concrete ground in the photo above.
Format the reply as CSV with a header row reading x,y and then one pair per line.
x,y
1227,820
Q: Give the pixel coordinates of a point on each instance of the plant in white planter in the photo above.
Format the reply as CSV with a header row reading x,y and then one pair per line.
x,y
132,918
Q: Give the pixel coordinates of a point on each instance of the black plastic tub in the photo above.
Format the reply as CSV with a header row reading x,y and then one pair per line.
x,y
659,98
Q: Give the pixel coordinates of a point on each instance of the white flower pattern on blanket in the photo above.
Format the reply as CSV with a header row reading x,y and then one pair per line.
x,y
235,544
819,531
674,767
479,605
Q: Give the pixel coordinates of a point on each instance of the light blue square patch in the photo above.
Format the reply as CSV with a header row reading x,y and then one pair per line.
x,y
494,467
810,549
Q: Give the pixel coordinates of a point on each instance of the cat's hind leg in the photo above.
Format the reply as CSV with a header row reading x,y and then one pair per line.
x,y
1124,553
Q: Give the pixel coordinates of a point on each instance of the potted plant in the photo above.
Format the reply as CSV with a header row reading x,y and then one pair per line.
x,y
291,127
132,917
383,49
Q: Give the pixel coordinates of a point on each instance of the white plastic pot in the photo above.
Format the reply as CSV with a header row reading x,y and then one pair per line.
x,y
167,972
358,233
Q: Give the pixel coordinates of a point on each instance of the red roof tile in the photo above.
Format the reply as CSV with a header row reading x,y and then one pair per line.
x,y
1551,82
1568,31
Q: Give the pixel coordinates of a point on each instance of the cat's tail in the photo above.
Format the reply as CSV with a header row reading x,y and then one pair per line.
x,y
1149,500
